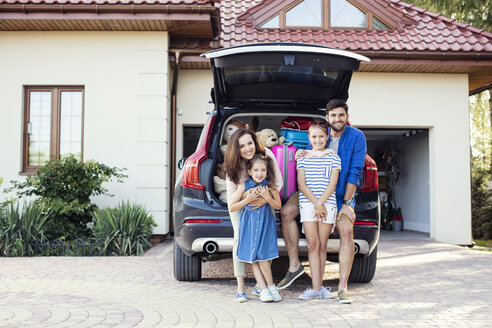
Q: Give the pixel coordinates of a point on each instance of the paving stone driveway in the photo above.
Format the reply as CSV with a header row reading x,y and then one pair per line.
x,y
418,283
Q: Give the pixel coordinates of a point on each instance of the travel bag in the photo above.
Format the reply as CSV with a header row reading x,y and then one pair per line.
x,y
298,138
285,156
296,123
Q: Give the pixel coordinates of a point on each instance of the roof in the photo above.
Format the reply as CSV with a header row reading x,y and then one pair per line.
x,y
420,41
107,2
181,18
419,30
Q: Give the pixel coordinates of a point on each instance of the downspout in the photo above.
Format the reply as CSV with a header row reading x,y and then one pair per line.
x,y
174,88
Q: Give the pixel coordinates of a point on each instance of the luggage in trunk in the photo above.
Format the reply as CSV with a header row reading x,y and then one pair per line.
x,y
285,156
298,138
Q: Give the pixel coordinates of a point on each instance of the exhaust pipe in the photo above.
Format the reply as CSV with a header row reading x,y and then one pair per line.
x,y
210,247
357,248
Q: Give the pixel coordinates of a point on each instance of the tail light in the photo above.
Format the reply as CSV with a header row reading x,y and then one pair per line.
x,y
191,169
365,223
202,221
371,182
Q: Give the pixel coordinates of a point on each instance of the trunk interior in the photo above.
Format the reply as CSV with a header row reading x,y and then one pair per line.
x,y
264,121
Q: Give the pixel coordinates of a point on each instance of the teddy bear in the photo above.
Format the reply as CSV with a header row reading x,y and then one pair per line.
x,y
269,138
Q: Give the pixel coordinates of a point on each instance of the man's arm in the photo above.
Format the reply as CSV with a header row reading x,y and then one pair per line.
x,y
349,194
356,168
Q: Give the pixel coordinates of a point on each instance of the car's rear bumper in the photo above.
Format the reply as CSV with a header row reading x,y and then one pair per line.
x,y
224,245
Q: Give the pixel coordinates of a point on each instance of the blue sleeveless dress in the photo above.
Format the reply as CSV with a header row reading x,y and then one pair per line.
x,y
257,231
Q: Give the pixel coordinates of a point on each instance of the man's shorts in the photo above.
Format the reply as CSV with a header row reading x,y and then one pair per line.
x,y
294,199
307,213
343,217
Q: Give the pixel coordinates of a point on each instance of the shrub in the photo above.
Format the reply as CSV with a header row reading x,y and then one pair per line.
x,y
19,227
65,186
123,230
481,205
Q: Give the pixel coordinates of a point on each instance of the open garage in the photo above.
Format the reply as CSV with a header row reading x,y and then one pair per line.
x,y
402,156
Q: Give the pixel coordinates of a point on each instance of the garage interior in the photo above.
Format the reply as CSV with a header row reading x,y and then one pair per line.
x,y
405,151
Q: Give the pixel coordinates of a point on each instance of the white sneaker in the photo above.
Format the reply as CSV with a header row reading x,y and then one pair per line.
x,y
309,294
326,292
265,296
274,292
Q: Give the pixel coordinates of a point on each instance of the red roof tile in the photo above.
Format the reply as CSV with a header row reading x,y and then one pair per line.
x,y
107,2
421,30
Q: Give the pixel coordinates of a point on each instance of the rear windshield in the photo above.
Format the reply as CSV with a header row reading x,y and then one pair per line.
x,y
304,75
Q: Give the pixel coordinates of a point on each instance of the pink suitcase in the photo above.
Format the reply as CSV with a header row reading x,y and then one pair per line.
x,y
285,156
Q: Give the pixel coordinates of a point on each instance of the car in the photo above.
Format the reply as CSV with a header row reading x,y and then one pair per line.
x,y
268,81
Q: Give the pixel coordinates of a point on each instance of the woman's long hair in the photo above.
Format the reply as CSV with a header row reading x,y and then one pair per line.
x,y
270,168
233,162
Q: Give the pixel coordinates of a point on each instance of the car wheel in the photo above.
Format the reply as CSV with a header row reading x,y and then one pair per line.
x,y
364,268
186,268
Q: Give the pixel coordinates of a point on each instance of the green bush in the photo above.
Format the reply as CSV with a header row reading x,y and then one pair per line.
x,y
19,227
123,230
64,187
481,205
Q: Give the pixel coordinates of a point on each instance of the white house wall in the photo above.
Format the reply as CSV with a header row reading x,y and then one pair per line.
x,y
126,109
438,102
193,96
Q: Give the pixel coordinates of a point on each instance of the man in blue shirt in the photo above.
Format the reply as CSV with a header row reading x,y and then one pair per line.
x,y
350,144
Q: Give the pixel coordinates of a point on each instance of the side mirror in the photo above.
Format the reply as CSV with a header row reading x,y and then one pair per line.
x,y
181,163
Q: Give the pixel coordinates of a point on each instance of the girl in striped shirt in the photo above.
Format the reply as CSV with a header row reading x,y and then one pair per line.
x,y
317,177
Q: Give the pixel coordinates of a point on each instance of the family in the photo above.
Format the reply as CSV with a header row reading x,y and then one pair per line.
x,y
328,173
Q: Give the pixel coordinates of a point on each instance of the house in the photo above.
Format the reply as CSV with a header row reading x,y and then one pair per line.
x,y
123,83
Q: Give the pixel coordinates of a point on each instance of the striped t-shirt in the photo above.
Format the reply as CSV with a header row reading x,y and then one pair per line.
x,y
318,172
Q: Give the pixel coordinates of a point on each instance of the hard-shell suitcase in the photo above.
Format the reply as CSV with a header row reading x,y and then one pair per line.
x,y
298,138
285,156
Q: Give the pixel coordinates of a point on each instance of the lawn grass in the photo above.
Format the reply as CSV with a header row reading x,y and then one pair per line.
x,y
483,245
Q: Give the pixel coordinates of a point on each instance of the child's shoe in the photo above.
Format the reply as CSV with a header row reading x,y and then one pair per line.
x,y
256,291
265,296
309,294
241,297
326,292
274,292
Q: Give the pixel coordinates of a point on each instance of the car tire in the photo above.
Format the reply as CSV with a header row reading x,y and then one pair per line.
x,y
363,268
186,268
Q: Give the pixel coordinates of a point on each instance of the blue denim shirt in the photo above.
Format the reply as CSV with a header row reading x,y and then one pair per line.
x,y
352,151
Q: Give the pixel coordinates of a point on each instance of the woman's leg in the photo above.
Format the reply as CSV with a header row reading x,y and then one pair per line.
x,y
312,237
324,230
238,265
260,280
266,270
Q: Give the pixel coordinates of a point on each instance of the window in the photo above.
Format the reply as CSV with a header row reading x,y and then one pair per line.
x,y
191,136
306,13
53,124
345,14
272,23
324,14
378,25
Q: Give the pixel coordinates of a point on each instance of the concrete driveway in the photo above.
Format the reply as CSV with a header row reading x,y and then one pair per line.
x,y
418,283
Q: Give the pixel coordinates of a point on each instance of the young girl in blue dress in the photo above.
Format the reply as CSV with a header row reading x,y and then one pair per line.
x,y
257,231
317,177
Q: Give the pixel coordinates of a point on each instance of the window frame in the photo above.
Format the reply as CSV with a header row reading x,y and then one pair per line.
x,y
55,122
325,15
